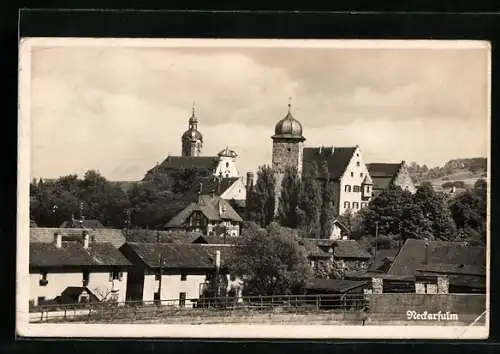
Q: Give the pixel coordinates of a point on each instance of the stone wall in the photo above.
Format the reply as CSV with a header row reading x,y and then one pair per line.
x,y
287,153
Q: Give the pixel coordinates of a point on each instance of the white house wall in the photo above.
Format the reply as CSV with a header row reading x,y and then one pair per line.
x,y
226,167
359,173
236,191
58,282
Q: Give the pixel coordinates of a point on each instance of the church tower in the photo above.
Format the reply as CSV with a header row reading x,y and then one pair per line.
x,y
192,140
288,148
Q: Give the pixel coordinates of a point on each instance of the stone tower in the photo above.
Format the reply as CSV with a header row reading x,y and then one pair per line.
x,y
192,140
288,148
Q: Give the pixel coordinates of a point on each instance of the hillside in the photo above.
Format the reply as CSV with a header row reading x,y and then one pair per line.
x,y
462,173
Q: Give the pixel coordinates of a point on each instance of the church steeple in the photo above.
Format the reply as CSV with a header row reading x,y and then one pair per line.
x,y
192,140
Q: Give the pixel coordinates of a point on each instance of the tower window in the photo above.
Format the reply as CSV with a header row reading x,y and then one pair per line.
x,y
289,149
361,174
227,164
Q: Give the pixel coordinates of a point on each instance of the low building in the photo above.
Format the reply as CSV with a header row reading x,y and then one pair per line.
x,y
176,274
384,175
440,266
210,215
57,268
116,237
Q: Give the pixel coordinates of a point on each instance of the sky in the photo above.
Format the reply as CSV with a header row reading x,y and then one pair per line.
x,y
121,109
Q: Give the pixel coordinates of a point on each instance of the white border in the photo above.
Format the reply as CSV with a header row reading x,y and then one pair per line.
x,y
26,329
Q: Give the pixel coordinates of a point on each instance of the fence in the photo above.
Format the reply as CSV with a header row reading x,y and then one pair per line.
x,y
379,307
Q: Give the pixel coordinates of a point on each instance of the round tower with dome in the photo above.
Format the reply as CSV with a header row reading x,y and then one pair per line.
x,y
288,149
192,140
288,144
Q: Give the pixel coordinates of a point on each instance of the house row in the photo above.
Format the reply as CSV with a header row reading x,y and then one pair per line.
x,y
77,264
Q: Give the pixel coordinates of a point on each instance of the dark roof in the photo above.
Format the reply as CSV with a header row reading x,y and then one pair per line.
x,y
412,255
71,294
337,161
312,248
177,256
336,285
47,234
369,275
469,281
214,208
73,254
383,169
381,258
381,183
350,249
177,236
209,184
459,269
215,240
86,224
186,162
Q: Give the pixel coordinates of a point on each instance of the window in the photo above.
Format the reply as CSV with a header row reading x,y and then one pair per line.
x,y
43,279
355,205
115,275
356,189
357,163
182,299
85,278
183,277
361,174
227,164
346,205
289,149
352,174
367,189
347,188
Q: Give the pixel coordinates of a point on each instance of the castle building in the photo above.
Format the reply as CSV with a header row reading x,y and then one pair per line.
x,y
385,175
346,167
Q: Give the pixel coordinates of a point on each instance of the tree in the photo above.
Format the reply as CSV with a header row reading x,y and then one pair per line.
x,y
328,269
327,216
288,205
310,202
270,261
435,209
262,199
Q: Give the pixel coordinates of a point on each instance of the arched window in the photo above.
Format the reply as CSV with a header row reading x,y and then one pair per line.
x,y
347,188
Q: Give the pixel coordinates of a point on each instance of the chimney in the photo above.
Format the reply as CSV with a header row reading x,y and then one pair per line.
x,y
58,239
85,239
426,252
217,259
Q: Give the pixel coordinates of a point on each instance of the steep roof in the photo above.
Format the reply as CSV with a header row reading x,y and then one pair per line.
x,y
337,160
178,256
214,208
412,255
86,224
73,254
383,169
312,248
208,184
186,162
47,234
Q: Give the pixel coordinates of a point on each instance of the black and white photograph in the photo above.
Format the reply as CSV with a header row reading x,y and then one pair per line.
x,y
224,188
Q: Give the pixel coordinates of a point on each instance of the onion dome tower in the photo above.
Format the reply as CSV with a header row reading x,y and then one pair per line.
x,y
192,140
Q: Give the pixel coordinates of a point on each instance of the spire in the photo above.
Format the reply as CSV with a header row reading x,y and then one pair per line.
x,y
193,109
289,104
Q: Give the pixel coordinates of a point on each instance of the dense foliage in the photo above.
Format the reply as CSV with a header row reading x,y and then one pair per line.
x,y
270,261
261,201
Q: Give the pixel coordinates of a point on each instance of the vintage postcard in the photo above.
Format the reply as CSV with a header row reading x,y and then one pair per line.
x,y
215,188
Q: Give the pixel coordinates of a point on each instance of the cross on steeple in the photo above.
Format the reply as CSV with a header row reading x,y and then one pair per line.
x,y
289,103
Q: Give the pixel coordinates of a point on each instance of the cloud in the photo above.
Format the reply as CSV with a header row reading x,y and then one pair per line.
x,y
121,109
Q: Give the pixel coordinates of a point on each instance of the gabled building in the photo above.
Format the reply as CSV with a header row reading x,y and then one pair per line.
x,y
231,189
56,269
210,215
385,175
176,274
347,172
